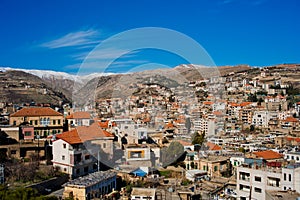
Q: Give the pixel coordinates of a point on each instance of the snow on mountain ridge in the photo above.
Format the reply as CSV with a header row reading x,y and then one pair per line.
x,y
59,75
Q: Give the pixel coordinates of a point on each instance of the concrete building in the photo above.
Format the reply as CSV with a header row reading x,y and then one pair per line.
x,y
260,179
139,155
95,185
75,152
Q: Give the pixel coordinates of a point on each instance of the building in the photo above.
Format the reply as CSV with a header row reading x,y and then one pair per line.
x,y
143,193
45,120
94,185
76,152
215,165
80,118
138,155
259,179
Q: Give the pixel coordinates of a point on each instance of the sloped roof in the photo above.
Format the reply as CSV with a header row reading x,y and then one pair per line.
x,y
213,147
79,115
245,104
268,154
84,133
208,102
35,112
184,143
105,124
291,119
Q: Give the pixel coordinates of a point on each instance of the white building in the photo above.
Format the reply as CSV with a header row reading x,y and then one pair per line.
x,y
75,152
260,179
260,118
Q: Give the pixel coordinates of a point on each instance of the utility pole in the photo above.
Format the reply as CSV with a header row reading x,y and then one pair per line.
x,y
98,158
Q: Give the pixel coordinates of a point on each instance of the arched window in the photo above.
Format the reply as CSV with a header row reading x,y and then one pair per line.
x,y
216,168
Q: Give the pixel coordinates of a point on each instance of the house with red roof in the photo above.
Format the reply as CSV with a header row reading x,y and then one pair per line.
x,y
267,155
289,123
45,120
80,118
75,152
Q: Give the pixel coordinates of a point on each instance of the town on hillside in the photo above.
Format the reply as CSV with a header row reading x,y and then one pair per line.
x,y
235,136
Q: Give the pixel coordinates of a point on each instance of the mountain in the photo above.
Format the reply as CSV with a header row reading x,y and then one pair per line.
x,y
124,85
21,87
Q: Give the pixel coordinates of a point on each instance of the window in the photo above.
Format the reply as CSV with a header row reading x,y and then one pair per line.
x,y
65,169
284,176
14,123
104,145
290,177
64,145
30,122
58,121
244,176
54,122
215,168
258,190
35,122
63,157
86,169
288,157
45,121
77,171
27,133
245,188
292,157
257,178
86,157
297,158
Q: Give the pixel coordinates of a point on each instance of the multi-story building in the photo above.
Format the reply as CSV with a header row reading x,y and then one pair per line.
x,y
76,152
256,180
215,165
138,155
260,118
45,120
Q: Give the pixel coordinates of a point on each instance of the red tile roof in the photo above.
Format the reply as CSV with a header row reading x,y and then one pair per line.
x,y
245,104
217,113
268,155
35,112
84,133
291,119
105,124
79,115
213,147
208,102
184,143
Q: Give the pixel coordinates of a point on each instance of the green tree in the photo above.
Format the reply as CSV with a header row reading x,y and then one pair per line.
x,y
198,138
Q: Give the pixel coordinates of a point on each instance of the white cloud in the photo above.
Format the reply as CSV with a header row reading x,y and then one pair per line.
x,y
78,38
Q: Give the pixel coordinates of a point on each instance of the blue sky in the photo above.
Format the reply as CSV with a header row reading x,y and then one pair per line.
x,y
57,35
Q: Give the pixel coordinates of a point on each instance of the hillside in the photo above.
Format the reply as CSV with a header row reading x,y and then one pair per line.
x,y
21,87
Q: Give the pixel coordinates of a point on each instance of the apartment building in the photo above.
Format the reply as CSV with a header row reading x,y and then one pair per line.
x,y
256,180
76,152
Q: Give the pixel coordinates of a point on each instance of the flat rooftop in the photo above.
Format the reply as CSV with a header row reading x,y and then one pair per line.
x,y
91,179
